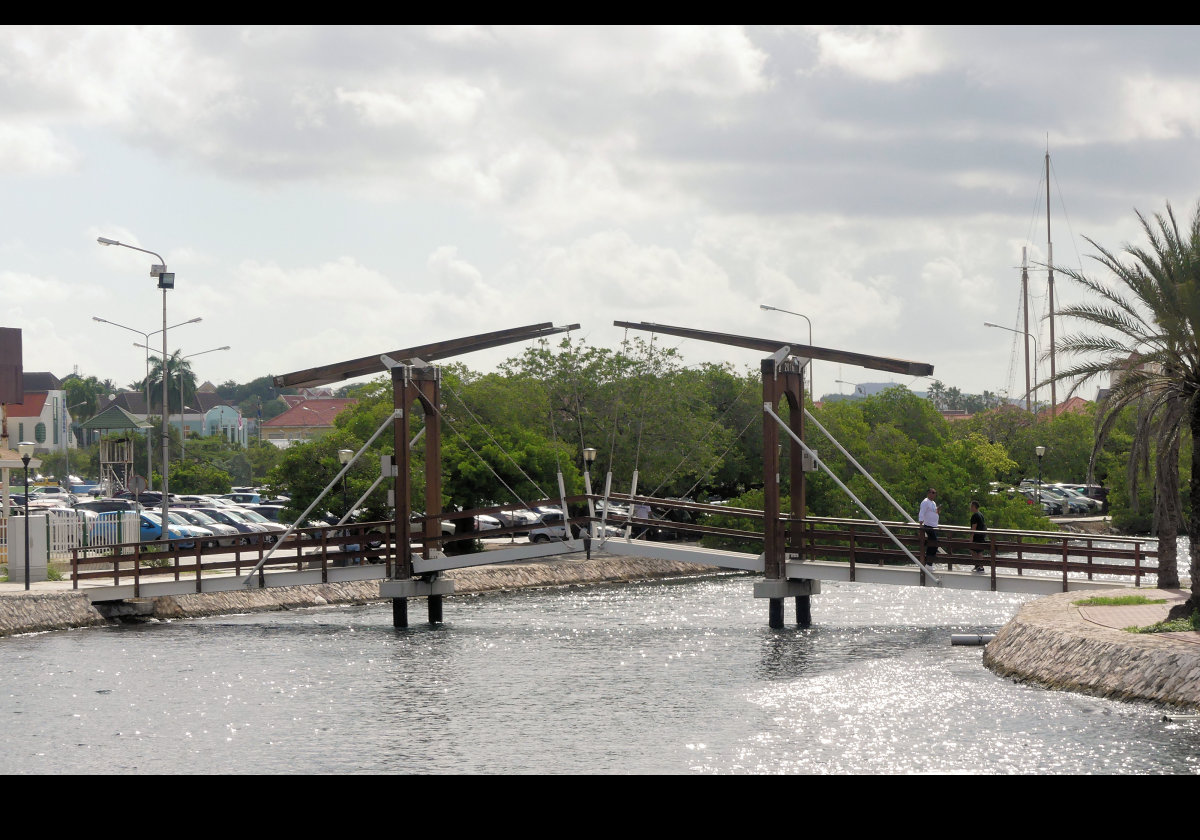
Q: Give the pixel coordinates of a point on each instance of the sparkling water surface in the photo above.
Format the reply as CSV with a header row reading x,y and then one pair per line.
x,y
674,677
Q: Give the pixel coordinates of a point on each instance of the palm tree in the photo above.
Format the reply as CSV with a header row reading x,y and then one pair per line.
x,y
1148,312
178,369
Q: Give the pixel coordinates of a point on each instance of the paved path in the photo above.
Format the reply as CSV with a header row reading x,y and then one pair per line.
x,y
1142,615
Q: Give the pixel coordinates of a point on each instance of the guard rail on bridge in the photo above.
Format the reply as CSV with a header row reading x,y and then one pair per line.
x,y
850,543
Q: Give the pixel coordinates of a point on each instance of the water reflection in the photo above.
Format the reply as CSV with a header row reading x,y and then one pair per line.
x,y
656,678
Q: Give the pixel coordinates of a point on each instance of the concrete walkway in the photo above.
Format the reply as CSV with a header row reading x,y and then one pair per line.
x,y
1142,615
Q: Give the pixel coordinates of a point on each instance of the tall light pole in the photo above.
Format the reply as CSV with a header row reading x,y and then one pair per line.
x,y
25,448
1040,450
146,381
1035,355
811,378
589,458
166,280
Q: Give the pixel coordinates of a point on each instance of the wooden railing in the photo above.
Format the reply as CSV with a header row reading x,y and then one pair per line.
x,y
305,548
1064,553
853,541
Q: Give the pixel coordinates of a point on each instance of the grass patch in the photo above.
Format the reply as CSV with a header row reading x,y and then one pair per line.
x,y
1118,601
1178,625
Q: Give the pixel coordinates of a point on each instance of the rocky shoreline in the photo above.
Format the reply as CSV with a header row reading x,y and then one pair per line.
x,y
1054,642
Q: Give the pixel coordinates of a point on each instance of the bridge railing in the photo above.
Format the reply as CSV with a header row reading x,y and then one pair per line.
x,y
307,548
856,542
1058,552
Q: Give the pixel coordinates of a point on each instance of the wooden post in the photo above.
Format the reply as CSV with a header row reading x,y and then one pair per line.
x,y
852,559
1066,560
993,553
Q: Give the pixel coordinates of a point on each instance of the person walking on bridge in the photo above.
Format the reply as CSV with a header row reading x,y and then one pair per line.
x,y
928,519
978,526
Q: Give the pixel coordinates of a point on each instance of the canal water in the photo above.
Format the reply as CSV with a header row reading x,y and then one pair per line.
x,y
674,677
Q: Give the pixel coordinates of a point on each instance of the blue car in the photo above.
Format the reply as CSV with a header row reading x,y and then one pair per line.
x,y
152,530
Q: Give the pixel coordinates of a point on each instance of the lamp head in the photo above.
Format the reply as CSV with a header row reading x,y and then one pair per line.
x,y
106,241
26,448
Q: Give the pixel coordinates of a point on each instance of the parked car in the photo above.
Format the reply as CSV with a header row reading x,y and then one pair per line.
x,y
151,529
108,505
1094,505
1072,505
227,516
53,493
551,527
223,534
1051,505
272,530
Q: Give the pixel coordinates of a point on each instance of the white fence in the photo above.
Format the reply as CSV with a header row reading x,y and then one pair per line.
x,y
70,529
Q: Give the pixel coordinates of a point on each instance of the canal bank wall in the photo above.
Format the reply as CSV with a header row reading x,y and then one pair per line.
x,y
1055,642
31,613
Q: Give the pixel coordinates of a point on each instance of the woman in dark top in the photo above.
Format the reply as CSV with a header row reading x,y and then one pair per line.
x,y
978,526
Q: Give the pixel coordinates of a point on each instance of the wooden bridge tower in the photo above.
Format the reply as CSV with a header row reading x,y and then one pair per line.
x,y
416,381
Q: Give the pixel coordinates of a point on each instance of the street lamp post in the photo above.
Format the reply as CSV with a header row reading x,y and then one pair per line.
x,y
25,449
589,458
811,378
1035,355
166,280
1040,450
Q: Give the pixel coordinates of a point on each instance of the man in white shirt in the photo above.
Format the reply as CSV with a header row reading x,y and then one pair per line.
x,y
928,519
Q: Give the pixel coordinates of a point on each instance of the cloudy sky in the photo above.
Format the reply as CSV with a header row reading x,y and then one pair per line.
x,y
328,193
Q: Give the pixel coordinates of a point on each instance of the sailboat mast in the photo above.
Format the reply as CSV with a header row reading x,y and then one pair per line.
x,y
1025,307
1050,272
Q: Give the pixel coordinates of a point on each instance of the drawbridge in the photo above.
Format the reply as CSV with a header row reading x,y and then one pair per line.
x,y
791,554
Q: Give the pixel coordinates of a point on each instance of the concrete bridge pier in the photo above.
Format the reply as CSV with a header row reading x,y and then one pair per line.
x,y
803,611
777,591
401,590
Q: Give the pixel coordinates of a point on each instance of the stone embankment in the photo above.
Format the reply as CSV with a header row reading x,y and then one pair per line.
x,y
1055,642
59,611
32,613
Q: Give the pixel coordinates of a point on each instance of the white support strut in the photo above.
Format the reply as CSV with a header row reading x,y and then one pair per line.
x,y
304,516
771,411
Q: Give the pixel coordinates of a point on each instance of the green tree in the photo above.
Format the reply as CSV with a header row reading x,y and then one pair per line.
x,y
196,477
1147,312
179,376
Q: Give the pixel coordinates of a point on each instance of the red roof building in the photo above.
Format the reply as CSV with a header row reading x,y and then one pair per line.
x,y
307,420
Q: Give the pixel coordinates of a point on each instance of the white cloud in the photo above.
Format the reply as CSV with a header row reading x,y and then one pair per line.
x,y
30,149
450,272
1158,108
428,105
883,54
